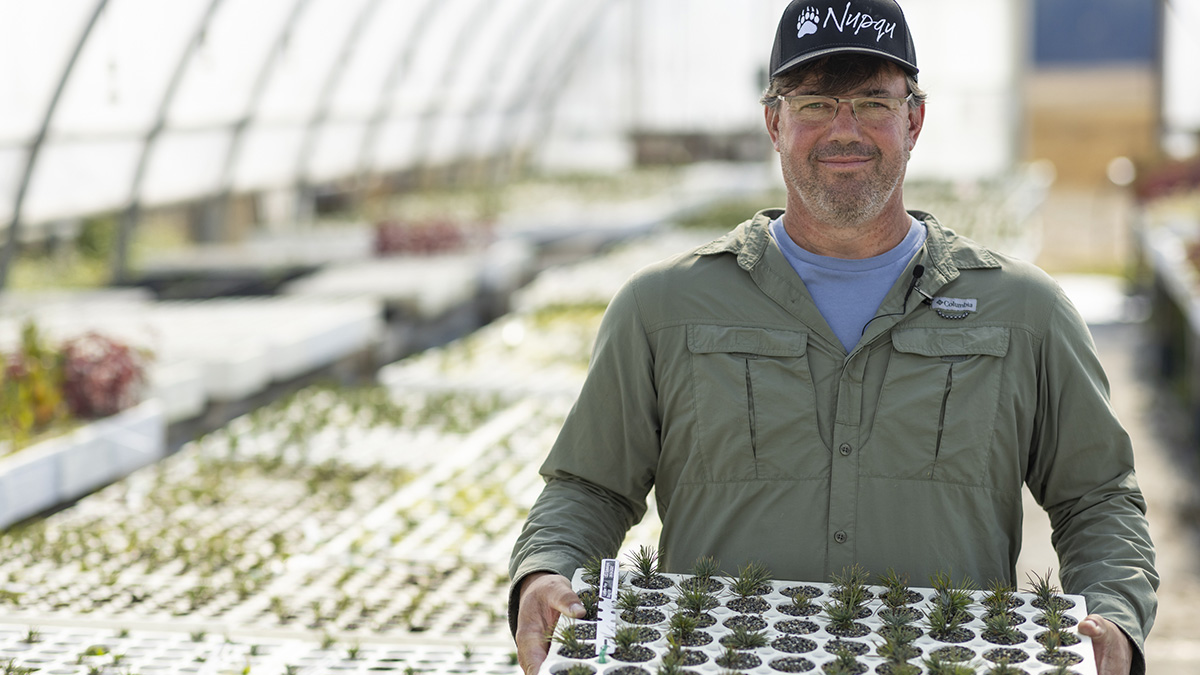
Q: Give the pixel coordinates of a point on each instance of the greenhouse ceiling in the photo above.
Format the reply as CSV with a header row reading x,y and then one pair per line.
x,y
109,102
113,106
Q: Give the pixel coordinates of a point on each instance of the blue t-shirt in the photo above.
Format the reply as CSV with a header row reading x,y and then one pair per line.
x,y
848,292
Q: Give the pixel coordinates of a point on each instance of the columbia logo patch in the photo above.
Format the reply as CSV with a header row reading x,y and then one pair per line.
x,y
955,304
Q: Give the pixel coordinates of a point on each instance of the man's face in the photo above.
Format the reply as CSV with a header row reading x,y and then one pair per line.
x,y
845,172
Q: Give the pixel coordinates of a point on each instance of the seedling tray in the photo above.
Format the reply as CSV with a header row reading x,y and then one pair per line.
x,y
805,643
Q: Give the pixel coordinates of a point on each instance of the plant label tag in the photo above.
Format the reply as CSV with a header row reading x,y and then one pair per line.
x,y
606,627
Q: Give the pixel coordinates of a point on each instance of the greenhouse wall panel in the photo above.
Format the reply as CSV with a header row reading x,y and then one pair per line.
x,y
336,151
99,172
185,165
268,157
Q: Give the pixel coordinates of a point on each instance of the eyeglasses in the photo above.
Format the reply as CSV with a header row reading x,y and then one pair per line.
x,y
868,110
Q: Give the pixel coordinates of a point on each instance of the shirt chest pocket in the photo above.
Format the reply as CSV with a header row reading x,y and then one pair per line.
x,y
754,405
939,402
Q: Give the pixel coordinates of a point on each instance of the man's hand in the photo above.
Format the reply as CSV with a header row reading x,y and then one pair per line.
x,y
544,596
1114,653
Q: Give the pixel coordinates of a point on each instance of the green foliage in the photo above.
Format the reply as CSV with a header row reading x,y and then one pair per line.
x,y
1042,587
682,625
11,668
935,665
1052,618
1001,626
896,589
31,396
802,603
1003,667
850,587
897,650
567,635
898,623
626,637
646,562
841,615
97,238
629,601
705,568
844,663
752,579
744,638
998,598
949,604
693,599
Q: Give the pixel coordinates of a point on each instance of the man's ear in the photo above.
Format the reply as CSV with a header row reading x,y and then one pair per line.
x,y
916,122
771,116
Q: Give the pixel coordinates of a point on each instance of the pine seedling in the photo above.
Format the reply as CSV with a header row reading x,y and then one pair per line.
x,y
953,600
845,662
898,623
944,621
570,643
1001,629
591,570
803,604
733,660
896,650
999,598
855,575
896,589
626,638
1003,667
751,580
1052,619
935,665
673,660
629,601
841,616
1046,594
646,564
591,605
681,626
744,638
694,599
703,574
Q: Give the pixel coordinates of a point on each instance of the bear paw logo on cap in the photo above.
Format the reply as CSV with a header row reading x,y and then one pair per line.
x,y
807,23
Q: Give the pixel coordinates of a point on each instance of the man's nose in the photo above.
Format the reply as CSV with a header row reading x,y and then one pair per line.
x,y
845,122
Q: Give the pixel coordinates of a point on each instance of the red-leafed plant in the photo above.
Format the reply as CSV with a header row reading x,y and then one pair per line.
x,y
418,237
101,376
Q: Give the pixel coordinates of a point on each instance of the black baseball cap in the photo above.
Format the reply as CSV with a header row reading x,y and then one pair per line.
x,y
810,29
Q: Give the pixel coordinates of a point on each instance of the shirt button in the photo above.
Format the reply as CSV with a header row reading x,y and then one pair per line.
x,y
840,536
844,449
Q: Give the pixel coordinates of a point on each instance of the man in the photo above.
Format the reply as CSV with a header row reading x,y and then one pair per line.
x,y
844,382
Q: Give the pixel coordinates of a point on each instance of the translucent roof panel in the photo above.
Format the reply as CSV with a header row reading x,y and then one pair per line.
x,y
124,66
36,42
227,71
152,102
182,100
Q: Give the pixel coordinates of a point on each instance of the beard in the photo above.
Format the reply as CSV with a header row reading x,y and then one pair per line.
x,y
844,199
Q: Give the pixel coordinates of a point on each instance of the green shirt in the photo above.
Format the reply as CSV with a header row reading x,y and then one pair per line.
x,y
715,380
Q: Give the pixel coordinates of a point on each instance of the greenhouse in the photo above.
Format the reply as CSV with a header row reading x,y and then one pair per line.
x,y
296,297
